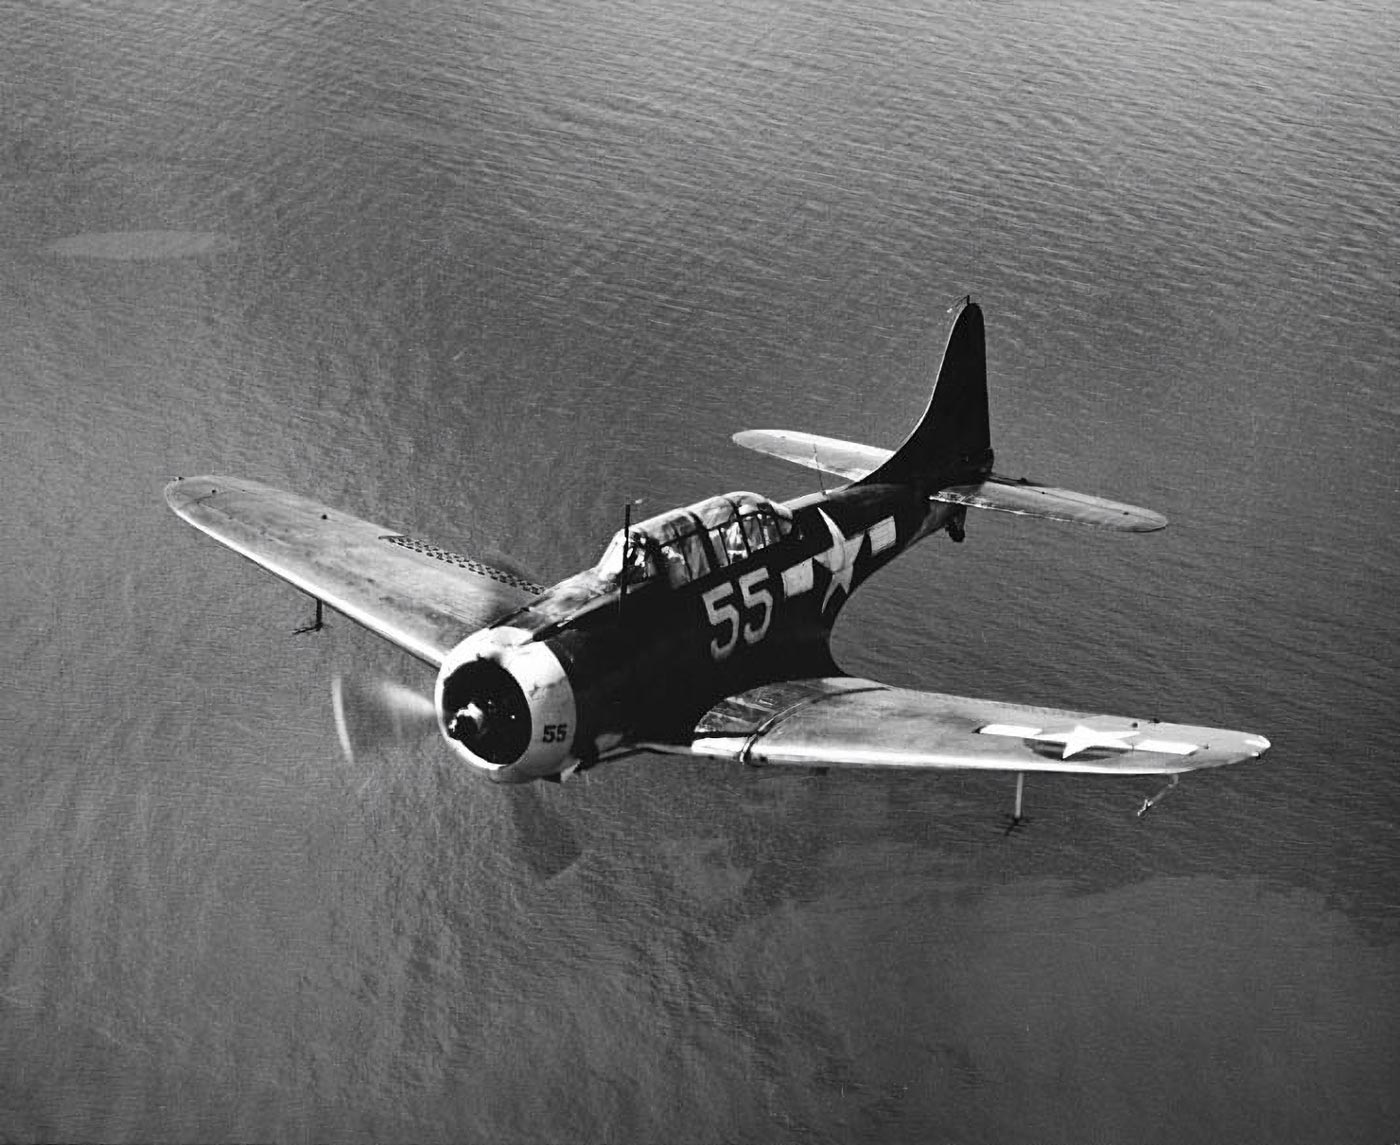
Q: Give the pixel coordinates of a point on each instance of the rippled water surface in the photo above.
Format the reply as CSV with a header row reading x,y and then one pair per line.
x,y
486,271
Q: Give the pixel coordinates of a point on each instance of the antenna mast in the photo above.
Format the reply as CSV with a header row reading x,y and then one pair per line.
x,y
626,557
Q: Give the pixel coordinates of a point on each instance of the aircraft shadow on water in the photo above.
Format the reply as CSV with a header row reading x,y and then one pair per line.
x,y
705,631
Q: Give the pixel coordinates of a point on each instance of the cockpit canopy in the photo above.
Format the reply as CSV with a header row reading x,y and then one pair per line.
x,y
686,544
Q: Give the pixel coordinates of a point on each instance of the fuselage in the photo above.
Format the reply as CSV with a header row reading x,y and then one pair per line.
x,y
709,612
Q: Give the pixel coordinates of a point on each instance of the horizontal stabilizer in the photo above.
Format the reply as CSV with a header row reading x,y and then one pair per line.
x,y
845,722
1027,499
844,458
853,461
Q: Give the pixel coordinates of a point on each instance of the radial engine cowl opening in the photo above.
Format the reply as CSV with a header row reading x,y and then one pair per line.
x,y
505,705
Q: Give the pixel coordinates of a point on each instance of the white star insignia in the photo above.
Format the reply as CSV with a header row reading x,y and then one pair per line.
x,y
1079,738
840,559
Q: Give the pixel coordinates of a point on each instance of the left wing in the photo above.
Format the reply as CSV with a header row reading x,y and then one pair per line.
x,y
414,594
845,722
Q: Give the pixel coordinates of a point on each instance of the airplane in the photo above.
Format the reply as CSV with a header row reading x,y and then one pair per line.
x,y
705,631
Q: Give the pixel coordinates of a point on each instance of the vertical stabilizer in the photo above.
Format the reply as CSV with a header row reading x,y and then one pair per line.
x,y
952,443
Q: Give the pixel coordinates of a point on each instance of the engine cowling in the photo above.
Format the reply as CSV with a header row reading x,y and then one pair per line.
x,y
505,705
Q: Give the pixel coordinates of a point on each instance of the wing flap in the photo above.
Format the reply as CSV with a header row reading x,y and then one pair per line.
x,y
419,597
847,722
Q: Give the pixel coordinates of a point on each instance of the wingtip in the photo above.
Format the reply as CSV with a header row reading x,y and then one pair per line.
x,y
175,493
1228,747
179,492
183,492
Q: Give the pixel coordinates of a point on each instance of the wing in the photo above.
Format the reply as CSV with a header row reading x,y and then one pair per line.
x,y
845,722
420,597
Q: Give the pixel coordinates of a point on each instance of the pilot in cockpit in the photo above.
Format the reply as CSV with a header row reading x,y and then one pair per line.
x,y
732,536
640,565
635,550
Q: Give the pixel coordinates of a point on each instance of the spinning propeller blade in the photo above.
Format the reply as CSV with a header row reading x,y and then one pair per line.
x,y
369,714
365,713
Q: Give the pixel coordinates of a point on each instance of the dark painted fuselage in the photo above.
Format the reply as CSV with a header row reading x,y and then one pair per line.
x,y
646,663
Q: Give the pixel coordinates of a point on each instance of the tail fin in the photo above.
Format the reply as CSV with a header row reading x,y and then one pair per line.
x,y
952,443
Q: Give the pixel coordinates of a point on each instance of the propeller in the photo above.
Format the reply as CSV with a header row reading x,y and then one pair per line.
x,y
366,714
385,712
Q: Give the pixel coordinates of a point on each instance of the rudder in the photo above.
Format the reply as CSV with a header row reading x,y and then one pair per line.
x,y
952,442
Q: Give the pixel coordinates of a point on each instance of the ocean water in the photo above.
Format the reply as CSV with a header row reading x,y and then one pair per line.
x,y
484,272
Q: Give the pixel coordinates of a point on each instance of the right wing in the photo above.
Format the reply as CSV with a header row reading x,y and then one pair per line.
x,y
416,595
839,721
